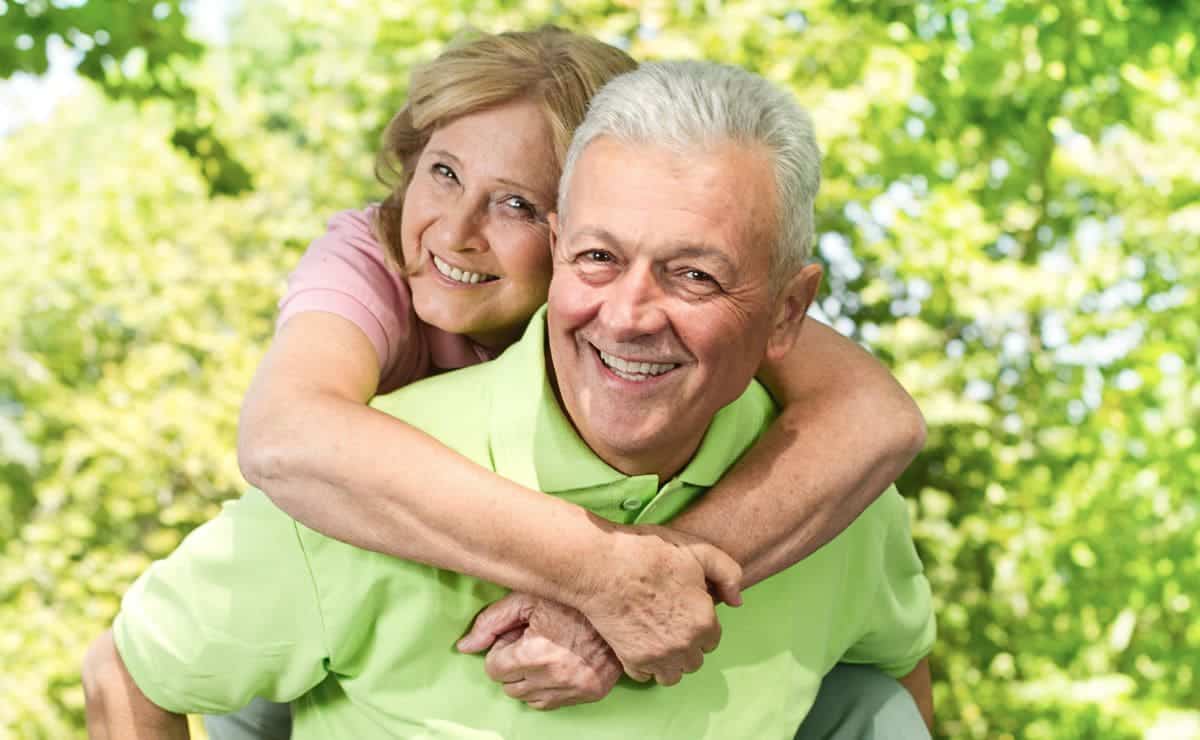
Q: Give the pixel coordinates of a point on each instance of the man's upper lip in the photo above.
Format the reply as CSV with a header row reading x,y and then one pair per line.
x,y
627,358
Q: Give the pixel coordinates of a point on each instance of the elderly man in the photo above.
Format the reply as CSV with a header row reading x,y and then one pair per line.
x,y
679,265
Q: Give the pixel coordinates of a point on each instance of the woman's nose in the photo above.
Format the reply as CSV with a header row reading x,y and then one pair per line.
x,y
458,228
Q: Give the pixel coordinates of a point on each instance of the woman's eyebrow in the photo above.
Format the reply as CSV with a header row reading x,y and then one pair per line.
x,y
506,182
443,154
541,195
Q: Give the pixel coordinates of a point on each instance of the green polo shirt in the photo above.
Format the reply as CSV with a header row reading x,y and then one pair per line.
x,y
255,604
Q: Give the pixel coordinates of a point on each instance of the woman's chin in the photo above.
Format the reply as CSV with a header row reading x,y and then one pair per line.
x,y
481,321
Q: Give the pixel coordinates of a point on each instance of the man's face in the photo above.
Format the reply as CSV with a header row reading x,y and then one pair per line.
x,y
659,308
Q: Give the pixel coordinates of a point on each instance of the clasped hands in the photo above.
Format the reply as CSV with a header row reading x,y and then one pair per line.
x,y
648,610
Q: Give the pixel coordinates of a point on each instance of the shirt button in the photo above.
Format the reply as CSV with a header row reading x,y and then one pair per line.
x,y
631,504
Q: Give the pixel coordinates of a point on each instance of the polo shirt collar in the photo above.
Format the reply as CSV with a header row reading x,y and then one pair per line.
x,y
534,444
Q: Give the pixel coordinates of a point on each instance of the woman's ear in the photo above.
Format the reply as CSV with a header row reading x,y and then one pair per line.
x,y
791,306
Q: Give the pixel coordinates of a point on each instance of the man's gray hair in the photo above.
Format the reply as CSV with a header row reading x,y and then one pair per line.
x,y
688,106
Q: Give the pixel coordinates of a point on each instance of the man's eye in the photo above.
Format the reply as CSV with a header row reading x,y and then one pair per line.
x,y
598,255
699,282
442,170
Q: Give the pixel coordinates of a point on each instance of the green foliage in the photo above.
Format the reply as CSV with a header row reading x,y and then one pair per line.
x,y
1008,218
137,49
128,46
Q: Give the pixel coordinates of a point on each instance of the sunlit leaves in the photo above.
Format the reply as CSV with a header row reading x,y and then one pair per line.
x,y
1007,217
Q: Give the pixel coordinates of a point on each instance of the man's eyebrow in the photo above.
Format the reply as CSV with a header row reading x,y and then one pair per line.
x,y
706,252
599,233
684,250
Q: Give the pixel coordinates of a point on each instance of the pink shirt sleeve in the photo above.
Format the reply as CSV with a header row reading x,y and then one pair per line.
x,y
345,272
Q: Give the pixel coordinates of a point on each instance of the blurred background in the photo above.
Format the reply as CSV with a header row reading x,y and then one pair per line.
x,y
1010,219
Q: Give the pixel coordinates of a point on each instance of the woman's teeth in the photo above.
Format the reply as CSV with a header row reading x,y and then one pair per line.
x,y
461,276
634,370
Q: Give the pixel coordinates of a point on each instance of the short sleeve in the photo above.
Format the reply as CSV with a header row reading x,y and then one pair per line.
x,y
900,627
230,615
345,272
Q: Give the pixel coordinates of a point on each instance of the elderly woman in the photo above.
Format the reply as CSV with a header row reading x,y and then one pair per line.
x,y
444,274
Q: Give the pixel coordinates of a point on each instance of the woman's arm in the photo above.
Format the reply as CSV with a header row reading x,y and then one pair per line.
x,y
308,439
116,707
919,683
847,430
310,442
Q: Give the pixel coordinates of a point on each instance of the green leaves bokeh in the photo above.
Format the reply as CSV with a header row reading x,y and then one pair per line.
x,y
1010,218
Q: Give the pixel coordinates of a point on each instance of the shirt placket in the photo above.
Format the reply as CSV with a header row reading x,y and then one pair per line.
x,y
632,495
666,503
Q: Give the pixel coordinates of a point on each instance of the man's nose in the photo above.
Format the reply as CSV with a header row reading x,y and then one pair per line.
x,y
459,227
633,307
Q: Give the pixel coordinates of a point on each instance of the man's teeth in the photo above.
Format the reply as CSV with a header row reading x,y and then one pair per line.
x,y
634,370
461,276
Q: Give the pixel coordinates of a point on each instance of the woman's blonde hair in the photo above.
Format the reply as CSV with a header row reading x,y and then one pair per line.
x,y
556,68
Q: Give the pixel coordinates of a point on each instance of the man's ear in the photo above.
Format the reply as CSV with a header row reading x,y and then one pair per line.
x,y
790,309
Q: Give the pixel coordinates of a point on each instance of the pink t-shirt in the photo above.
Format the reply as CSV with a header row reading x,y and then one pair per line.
x,y
345,273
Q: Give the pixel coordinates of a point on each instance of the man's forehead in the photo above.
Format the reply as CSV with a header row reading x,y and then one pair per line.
x,y
720,163
723,189
661,153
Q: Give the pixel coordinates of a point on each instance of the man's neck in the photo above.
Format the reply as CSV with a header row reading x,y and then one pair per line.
x,y
640,465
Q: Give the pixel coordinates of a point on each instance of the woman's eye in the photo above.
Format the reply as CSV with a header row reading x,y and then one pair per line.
x,y
520,204
443,171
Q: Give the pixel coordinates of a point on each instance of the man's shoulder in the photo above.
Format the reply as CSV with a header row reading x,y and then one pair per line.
x,y
453,407
886,516
874,536
755,406
744,420
879,543
463,387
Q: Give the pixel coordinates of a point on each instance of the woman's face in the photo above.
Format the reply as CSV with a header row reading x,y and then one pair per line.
x,y
474,230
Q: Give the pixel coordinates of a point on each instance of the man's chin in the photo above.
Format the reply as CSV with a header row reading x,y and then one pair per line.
x,y
633,442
